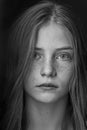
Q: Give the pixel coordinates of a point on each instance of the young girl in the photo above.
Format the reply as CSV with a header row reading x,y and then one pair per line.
x,y
46,87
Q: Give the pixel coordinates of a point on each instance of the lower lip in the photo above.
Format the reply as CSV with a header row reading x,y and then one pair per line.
x,y
47,88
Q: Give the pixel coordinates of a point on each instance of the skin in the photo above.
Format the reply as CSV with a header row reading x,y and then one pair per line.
x,y
52,63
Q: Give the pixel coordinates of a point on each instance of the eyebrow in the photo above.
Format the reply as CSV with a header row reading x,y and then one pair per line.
x,y
64,48
38,49
58,49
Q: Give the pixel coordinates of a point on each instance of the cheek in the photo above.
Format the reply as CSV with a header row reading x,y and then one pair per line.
x,y
65,74
33,75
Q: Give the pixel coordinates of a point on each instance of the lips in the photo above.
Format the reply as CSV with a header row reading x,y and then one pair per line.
x,y
47,85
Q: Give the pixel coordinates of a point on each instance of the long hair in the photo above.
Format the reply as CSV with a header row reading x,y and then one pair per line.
x,y
21,43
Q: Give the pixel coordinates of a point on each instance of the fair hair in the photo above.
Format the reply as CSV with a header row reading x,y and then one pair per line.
x,y
22,40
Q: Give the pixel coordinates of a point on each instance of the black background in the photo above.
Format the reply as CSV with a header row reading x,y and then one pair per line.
x,y
9,10
13,7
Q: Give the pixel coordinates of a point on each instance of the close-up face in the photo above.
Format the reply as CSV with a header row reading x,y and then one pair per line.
x,y
52,67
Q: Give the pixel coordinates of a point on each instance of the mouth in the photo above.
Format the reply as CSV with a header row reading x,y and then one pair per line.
x,y
47,85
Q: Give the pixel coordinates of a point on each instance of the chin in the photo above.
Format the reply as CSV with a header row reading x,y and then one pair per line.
x,y
48,98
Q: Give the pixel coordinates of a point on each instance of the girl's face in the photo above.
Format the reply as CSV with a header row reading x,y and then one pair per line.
x,y
52,67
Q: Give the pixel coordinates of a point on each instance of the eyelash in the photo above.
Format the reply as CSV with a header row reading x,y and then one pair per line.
x,y
62,56
37,56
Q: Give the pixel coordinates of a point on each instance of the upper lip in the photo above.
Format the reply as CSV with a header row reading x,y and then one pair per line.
x,y
47,85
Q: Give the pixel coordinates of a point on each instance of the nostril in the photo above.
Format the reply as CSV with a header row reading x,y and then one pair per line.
x,y
46,74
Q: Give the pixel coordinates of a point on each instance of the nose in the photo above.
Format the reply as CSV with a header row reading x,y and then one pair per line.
x,y
48,70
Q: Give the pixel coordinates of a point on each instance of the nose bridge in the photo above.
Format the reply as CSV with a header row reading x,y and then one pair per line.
x,y
48,68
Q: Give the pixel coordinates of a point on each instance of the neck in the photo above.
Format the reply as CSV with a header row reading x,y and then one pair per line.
x,y
47,116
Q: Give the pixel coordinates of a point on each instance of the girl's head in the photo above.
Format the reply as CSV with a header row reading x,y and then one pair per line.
x,y
47,47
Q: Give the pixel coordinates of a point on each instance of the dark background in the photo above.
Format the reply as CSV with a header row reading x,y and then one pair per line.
x,y
13,7
9,11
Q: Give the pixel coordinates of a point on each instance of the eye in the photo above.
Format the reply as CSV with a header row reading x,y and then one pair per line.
x,y
37,56
64,57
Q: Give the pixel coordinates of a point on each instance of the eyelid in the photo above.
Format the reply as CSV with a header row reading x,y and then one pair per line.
x,y
37,53
65,53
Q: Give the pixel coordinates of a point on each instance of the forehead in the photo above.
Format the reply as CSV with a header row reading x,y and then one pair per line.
x,y
52,36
